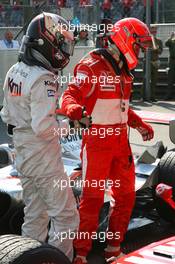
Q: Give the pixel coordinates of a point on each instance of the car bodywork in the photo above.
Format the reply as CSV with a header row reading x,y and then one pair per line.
x,y
162,252
145,173
146,169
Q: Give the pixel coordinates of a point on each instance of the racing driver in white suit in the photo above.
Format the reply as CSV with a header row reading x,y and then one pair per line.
x,y
30,100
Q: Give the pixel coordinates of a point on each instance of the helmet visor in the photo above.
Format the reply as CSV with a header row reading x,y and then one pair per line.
x,y
145,42
68,47
65,40
136,49
59,34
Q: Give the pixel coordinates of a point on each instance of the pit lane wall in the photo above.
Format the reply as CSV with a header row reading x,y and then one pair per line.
x,y
9,57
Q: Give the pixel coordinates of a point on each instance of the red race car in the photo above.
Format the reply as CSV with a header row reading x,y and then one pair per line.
x,y
162,252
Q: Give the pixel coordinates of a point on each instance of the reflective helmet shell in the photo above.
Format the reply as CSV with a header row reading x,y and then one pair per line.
x,y
129,35
49,34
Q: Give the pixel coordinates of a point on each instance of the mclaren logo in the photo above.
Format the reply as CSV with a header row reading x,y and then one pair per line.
x,y
14,88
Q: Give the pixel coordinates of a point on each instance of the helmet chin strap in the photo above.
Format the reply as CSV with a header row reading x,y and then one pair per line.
x,y
115,52
63,59
38,56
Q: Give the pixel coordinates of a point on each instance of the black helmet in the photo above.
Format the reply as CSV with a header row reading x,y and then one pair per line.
x,y
48,42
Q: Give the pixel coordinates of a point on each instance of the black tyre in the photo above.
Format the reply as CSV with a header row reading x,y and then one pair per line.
x,y
167,176
11,214
6,155
21,250
4,158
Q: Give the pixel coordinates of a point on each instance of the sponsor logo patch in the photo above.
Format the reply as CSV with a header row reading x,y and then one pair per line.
x,y
81,76
14,89
107,88
50,93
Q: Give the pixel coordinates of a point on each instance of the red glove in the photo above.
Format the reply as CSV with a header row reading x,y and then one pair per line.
x,y
136,122
74,111
84,122
146,131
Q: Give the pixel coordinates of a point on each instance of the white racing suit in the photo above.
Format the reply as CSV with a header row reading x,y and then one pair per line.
x,y
30,99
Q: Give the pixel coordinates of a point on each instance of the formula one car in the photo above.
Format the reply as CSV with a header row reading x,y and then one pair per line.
x,y
155,178
155,187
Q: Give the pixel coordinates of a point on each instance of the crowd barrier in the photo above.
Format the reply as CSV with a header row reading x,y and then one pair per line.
x,y
9,57
163,30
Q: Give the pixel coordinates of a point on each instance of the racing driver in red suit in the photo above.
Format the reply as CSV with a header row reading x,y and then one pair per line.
x,y
102,86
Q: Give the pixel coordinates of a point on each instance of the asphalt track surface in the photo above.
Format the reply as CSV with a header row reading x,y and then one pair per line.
x,y
159,229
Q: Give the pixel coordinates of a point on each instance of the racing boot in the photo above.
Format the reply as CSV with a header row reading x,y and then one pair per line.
x,y
112,254
80,260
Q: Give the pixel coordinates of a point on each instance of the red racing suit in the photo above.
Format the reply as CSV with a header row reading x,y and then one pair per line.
x,y
108,156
